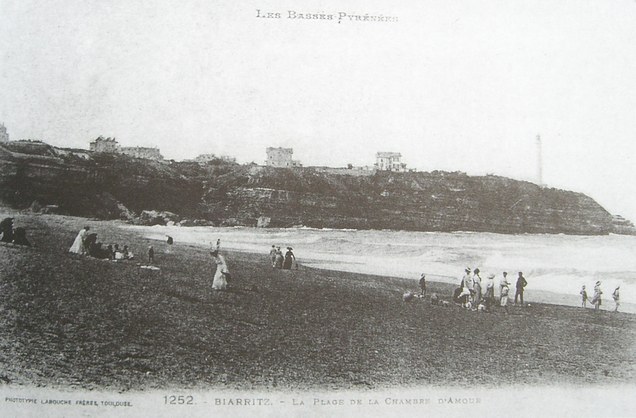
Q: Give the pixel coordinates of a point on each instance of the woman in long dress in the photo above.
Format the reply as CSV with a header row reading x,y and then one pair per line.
x,y
596,299
78,245
289,259
220,280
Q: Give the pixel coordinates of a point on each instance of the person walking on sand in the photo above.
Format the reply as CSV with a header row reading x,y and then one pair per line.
x,y
596,299
289,259
278,262
423,284
220,275
521,283
78,246
583,293
151,255
505,289
617,298
272,256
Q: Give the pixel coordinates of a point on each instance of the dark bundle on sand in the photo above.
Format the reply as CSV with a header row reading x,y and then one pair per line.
x,y
19,237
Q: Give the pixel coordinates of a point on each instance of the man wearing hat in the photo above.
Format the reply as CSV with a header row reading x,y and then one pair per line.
x,y
521,283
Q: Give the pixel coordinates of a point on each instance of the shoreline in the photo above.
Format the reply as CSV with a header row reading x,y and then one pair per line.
x,y
82,323
314,257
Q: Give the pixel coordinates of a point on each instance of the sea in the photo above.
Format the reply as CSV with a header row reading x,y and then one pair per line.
x,y
556,266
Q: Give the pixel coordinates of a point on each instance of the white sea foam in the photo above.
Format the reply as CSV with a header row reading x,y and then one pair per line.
x,y
555,263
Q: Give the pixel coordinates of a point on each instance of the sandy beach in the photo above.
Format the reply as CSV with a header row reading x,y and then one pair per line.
x,y
76,322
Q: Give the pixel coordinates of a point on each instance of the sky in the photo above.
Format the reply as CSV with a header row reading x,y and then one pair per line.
x,y
452,85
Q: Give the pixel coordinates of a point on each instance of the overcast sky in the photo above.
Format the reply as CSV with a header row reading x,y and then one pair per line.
x,y
452,85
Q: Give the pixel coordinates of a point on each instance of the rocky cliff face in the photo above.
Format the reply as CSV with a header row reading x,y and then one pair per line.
x,y
409,201
113,186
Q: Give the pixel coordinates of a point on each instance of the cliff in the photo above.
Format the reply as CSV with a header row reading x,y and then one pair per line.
x,y
223,193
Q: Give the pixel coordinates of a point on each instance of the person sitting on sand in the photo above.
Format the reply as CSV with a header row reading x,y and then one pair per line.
x,y
583,294
89,244
220,275
128,255
423,284
596,299
19,237
616,296
78,246
6,228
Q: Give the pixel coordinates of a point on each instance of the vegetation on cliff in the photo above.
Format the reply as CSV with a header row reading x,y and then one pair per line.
x,y
111,186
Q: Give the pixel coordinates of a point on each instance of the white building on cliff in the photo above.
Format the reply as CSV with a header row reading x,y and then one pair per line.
x,y
389,161
281,157
110,145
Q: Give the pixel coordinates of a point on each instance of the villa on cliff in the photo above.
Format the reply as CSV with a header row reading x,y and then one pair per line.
x,y
281,157
110,145
389,161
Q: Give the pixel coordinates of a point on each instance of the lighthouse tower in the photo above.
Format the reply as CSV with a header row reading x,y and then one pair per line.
x,y
539,162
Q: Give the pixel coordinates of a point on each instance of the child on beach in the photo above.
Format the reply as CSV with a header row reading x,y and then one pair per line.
x,y
583,297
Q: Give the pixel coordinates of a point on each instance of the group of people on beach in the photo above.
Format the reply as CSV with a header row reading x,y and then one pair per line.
x,y
478,295
597,297
282,262
13,235
85,243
